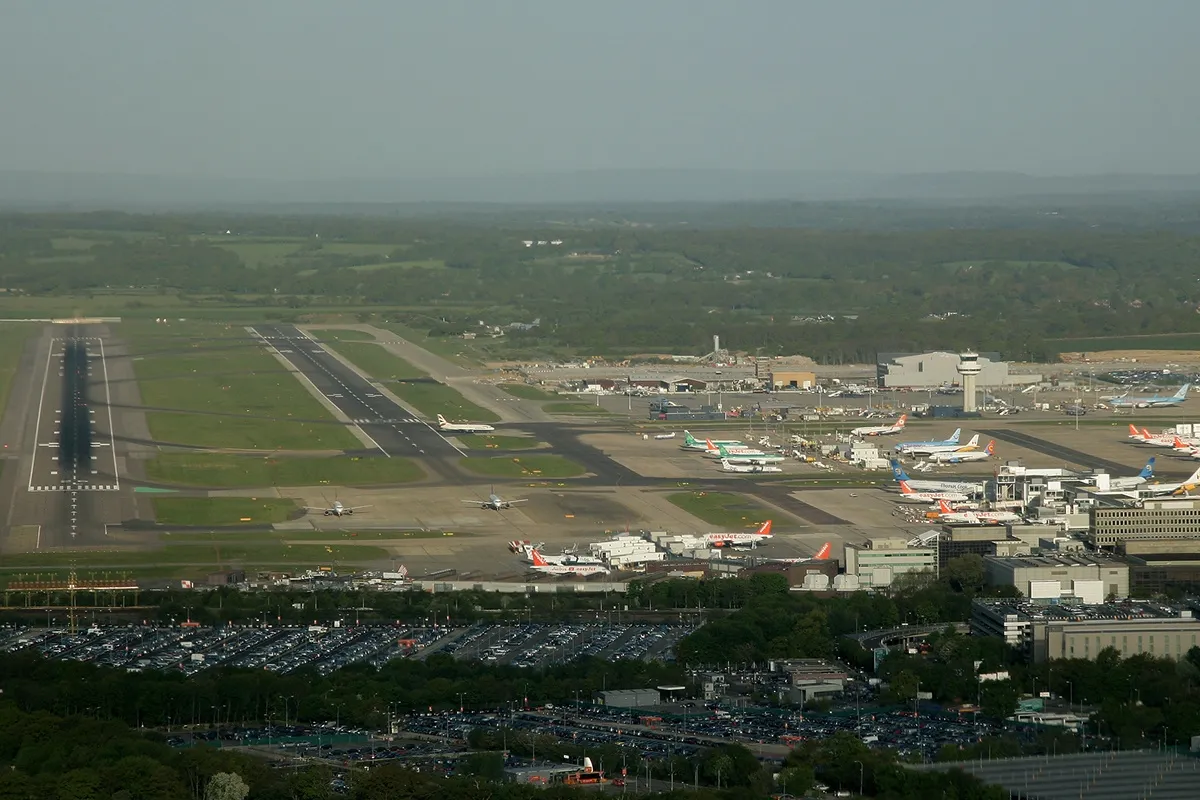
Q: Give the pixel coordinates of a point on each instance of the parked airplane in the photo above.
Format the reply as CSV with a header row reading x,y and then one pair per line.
x,y
740,539
1158,439
692,443
1153,401
963,455
670,435
748,456
966,487
931,449
820,555
729,466
904,447
566,558
1135,481
336,510
975,517
540,564
713,449
495,502
881,430
911,495
462,427
1185,487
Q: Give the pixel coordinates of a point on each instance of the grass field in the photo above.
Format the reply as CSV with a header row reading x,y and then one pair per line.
x,y
477,441
234,380
377,362
574,408
428,263
432,398
227,471
728,512
544,466
12,343
456,351
526,392
1155,341
341,335
221,510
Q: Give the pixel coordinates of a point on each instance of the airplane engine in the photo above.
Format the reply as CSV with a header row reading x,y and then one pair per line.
x,y
328,512
348,511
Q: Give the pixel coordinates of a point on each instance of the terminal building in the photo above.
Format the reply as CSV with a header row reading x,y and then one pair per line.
x,y
940,368
1043,632
1085,577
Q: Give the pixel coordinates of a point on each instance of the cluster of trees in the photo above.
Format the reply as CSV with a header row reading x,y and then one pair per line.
x,y
618,290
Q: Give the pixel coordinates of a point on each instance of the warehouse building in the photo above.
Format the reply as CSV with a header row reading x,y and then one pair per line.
x,y
630,698
1031,575
940,368
793,379
1075,631
881,560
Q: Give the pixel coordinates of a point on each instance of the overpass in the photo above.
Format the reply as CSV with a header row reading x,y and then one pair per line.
x,y
869,640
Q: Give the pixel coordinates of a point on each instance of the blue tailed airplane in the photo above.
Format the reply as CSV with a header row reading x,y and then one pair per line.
x,y
953,440
1153,401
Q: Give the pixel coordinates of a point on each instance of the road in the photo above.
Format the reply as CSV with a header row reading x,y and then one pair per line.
x,y
390,429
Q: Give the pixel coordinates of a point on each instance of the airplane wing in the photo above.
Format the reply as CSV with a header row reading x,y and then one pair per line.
x,y
317,508
355,508
474,502
514,502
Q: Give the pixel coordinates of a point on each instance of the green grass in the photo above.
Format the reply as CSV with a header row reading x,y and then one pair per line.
x,y
12,343
376,362
240,381
341,335
455,350
574,408
260,253
477,441
728,512
544,466
1009,266
432,398
221,470
526,392
429,263
221,510
1152,341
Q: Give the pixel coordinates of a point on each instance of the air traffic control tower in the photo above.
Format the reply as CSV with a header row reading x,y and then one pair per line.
x,y
969,369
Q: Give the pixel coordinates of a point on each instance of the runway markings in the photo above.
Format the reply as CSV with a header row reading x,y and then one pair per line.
x,y
80,487
112,441
37,427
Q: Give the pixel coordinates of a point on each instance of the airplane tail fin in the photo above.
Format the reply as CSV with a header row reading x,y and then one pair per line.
x,y
1183,390
974,441
944,507
898,471
900,422
991,447
689,439
441,420
709,446
764,529
538,561
1133,431
1146,433
1147,471
905,488
823,553
954,437
1178,444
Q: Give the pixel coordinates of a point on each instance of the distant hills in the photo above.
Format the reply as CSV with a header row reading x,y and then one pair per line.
x,y
66,191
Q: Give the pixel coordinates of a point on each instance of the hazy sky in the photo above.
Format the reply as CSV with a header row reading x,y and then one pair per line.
x,y
385,88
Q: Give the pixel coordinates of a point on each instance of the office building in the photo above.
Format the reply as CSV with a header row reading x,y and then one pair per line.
x,y
1044,632
881,560
1065,569
1157,518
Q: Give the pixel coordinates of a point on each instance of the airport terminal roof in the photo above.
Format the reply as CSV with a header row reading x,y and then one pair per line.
x,y
1077,612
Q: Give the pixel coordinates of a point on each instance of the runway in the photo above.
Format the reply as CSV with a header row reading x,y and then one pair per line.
x,y
67,487
392,430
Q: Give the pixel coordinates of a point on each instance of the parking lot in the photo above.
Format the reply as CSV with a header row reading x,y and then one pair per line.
x,y
541,644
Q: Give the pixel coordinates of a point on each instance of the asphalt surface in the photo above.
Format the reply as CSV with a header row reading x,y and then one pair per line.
x,y
394,430
1068,454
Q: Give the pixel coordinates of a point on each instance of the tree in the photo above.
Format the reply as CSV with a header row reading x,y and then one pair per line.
x,y
226,786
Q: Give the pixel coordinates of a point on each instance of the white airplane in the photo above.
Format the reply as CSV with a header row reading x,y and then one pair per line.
x,y
1157,439
1185,487
540,564
740,539
881,430
692,443
670,435
911,495
963,455
1153,401
947,514
820,555
729,466
747,456
1136,480
563,559
462,427
714,450
336,510
931,449
904,447
495,502
966,487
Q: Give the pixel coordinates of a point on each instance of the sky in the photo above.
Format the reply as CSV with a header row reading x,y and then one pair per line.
x,y
308,89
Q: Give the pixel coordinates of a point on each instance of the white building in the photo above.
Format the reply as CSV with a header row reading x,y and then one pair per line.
x,y
940,368
881,560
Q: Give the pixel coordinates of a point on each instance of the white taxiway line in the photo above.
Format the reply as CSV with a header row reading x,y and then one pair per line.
x,y
38,425
112,438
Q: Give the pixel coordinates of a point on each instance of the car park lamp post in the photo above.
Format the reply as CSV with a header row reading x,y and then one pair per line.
x,y
860,777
